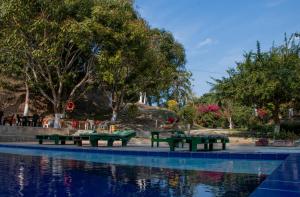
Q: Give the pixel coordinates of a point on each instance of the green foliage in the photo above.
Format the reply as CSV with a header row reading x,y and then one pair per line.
x,y
241,115
132,111
259,130
262,128
50,43
63,47
285,135
291,126
211,120
188,114
264,79
208,98
167,77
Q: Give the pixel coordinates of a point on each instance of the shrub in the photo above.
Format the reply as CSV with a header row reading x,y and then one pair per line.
x,y
261,130
243,116
188,114
285,135
172,105
132,111
208,108
291,127
209,115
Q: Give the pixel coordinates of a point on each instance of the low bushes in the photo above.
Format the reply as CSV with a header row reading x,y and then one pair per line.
x,y
291,127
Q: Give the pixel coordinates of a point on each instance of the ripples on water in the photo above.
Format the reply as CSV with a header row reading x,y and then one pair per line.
x,y
44,176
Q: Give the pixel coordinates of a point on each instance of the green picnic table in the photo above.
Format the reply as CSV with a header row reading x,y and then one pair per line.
x,y
93,138
54,137
155,136
207,140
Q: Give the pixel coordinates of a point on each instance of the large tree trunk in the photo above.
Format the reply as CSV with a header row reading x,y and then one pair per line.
x,y
57,107
114,115
231,125
276,118
26,106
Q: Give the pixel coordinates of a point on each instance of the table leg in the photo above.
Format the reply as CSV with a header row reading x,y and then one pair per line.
x,y
205,147
94,143
152,138
211,146
193,146
224,146
110,142
171,145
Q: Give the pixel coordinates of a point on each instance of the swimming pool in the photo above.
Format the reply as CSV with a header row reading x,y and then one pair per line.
x,y
30,172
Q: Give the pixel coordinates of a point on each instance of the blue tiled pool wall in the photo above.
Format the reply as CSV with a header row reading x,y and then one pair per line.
x,y
221,155
284,181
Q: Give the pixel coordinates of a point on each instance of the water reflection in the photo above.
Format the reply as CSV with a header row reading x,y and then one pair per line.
x,y
42,176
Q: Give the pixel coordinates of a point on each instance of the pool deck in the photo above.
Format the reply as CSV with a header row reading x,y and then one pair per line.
x,y
284,181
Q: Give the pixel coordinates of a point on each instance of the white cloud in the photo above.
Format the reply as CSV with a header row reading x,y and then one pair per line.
x,y
205,42
274,3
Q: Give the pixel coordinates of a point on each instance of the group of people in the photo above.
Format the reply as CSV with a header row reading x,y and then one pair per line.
x,y
19,120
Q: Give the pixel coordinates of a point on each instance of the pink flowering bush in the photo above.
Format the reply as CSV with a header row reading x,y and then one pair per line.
x,y
209,115
208,108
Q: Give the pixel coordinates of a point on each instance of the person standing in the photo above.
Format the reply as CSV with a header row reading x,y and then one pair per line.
x,y
1,116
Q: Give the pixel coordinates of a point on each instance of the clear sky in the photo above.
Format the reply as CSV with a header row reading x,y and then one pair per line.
x,y
216,33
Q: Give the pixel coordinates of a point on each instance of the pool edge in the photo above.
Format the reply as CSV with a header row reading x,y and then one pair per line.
x,y
215,155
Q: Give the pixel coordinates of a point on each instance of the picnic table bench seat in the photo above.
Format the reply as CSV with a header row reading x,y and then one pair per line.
x,y
175,137
61,139
207,140
58,139
123,136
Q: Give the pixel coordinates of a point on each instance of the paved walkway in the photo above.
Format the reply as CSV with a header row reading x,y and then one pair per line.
x,y
164,147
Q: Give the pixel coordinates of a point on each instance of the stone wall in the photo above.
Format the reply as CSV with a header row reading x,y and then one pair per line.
x,y
27,134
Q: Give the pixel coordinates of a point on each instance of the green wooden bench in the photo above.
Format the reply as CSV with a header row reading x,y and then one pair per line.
x,y
123,136
207,140
155,137
58,139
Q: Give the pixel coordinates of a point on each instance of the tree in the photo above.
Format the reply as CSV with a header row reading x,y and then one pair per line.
x,y
265,79
65,47
53,41
11,68
121,56
167,77
136,59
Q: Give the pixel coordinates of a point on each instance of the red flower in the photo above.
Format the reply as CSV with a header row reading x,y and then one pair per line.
x,y
171,120
262,113
208,108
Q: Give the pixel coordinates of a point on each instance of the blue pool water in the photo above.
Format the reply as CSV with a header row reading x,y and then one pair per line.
x,y
26,172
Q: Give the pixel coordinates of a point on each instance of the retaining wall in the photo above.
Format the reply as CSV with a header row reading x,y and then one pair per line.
x,y
27,134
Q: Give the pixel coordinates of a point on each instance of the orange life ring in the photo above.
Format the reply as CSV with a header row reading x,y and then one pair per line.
x,y
70,106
